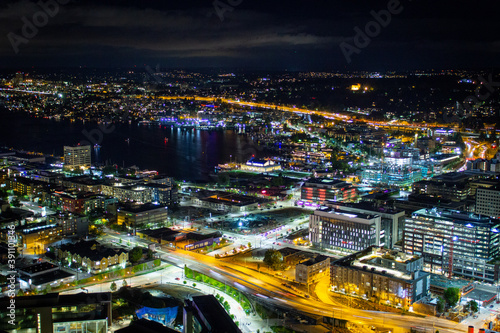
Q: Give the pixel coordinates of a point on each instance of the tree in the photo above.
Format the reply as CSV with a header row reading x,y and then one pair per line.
x,y
113,287
440,305
48,289
273,259
451,296
135,254
15,202
223,179
473,306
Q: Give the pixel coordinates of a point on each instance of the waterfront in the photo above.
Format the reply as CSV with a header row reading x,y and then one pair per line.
x,y
186,154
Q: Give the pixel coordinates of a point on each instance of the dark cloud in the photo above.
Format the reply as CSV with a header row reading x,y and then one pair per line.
x,y
291,34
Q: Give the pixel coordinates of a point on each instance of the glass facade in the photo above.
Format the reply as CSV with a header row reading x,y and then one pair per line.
x,y
460,240
344,232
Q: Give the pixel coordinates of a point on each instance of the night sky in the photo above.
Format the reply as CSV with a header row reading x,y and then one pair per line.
x,y
252,34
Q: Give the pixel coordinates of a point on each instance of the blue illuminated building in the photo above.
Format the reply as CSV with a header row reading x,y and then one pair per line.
x,y
454,242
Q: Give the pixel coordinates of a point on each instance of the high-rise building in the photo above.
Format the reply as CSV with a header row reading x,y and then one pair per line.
x,y
343,231
463,243
77,157
488,201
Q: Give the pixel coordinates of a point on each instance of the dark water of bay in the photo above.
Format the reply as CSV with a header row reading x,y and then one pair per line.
x,y
188,155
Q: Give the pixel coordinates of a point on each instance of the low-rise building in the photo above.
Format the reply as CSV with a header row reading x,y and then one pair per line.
x,y
259,165
227,202
71,224
59,313
320,190
312,269
163,236
135,216
43,274
454,191
92,256
25,186
381,275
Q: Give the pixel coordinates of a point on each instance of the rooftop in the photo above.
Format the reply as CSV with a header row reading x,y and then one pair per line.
x,y
370,206
91,249
344,213
326,181
363,260
444,283
145,326
214,314
38,267
140,208
55,300
41,279
457,216
314,261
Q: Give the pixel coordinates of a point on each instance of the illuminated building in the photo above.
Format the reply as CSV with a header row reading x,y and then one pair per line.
x,y
343,231
25,186
227,202
257,165
59,313
390,175
43,274
381,276
312,269
488,201
135,216
466,243
442,189
77,157
92,256
402,156
320,190
392,221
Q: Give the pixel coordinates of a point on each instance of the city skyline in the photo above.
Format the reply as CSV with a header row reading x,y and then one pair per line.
x,y
237,166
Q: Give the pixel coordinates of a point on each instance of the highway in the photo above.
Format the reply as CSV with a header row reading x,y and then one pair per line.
x,y
271,289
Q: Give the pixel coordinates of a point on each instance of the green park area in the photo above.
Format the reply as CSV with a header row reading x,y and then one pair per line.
x,y
233,292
